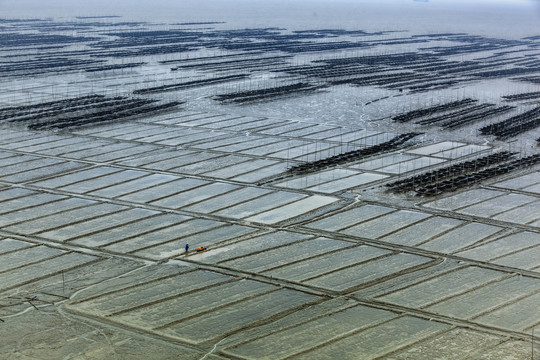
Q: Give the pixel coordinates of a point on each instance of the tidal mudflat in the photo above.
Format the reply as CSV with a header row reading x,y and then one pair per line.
x,y
356,193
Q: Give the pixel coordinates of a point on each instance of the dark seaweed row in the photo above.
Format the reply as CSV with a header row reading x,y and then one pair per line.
x,y
440,65
475,43
75,112
235,64
262,94
251,67
446,67
500,54
314,166
328,71
339,32
58,109
134,39
530,79
201,23
26,40
203,59
399,81
531,63
49,26
466,116
39,66
432,85
14,21
97,17
136,108
530,114
114,67
84,109
393,60
64,103
430,71
415,114
478,176
506,72
515,125
291,47
14,51
476,117
444,51
441,36
145,51
467,69
421,82
378,79
518,129
416,182
270,39
200,62
50,23
80,111
141,43
189,84
454,114
523,96
395,42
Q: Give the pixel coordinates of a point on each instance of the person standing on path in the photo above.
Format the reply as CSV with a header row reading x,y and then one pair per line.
x,y
187,247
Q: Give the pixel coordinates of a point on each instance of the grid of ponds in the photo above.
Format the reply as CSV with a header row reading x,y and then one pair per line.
x,y
499,205
281,254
